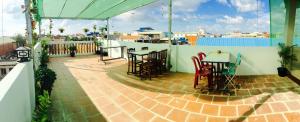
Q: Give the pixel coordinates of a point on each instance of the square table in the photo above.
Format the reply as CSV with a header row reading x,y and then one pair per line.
x,y
140,53
215,57
219,60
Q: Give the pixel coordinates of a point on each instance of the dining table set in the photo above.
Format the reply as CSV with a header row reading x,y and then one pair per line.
x,y
218,69
146,63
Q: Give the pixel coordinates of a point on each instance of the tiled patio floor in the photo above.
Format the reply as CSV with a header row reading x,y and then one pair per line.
x,y
87,89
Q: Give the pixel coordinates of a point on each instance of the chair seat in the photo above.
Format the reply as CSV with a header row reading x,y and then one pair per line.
x,y
207,66
230,71
205,72
231,65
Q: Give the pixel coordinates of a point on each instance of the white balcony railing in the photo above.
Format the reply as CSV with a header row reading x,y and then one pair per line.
x,y
17,94
255,60
61,48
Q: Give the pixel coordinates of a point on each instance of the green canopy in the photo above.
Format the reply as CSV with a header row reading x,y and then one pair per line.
x,y
86,9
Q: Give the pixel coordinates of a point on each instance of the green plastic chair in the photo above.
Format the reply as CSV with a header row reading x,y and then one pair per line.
x,y
238,59
230,73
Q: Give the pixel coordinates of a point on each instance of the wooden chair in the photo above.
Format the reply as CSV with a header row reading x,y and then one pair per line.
x,y
162,60
149,68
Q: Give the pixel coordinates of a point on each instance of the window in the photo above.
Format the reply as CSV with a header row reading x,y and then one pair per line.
x,y
3,71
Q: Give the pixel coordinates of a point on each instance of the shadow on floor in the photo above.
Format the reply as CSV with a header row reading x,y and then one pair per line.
x,y
70,103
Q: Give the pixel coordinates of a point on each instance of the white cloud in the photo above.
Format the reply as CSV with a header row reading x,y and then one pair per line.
x,y
187,5
185,18
230,20
13,18
247,5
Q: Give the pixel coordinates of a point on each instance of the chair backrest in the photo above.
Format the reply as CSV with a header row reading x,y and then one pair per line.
x,y
238,59
129,50
145,48
201,55
196,63
163,54
152,56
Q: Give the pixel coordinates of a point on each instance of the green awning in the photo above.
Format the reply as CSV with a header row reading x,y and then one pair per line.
x,y
87,9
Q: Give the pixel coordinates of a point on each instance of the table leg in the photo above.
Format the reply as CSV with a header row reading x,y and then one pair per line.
x,y
211,81
132,63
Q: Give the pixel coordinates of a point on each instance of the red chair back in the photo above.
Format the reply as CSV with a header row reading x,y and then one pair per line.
x,y
201,55
196,63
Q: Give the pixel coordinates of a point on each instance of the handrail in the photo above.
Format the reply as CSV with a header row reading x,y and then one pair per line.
x,y
61,48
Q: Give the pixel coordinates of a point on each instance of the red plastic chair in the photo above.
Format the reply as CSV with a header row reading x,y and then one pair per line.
x,y
200,71
201,56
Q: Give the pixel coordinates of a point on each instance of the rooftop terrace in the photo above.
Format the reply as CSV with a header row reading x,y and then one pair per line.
x,y
87,90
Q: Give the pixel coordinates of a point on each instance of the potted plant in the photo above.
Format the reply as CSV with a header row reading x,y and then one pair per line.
x,y
286,57
98,45
72,49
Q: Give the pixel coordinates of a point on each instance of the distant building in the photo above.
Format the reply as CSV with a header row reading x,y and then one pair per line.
x,y
7,45
97,34
145,29
129,36
191,37
6,67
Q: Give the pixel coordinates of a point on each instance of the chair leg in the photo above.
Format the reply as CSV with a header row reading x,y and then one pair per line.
x,y
230,80
196,80
128,69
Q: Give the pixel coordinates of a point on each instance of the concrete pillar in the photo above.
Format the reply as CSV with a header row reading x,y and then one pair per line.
x,y
170,34
290,18
28,22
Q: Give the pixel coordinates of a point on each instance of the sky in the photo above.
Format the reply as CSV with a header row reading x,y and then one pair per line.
x,y
213,16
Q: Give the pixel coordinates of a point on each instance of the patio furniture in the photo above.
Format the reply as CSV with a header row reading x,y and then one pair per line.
x,y
106,48
144,48
162,59
200,71
230,73
150,67
132,63
139,55
201,56
219,60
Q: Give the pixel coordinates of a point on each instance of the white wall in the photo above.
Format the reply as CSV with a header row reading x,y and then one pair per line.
x,y
255,60
17,94
116,52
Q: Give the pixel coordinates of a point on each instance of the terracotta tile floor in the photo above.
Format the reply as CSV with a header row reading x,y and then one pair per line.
x,y
87,90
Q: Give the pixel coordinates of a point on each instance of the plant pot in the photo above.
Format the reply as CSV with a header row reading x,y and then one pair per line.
x,y
98,52
72,54
105,54
282,71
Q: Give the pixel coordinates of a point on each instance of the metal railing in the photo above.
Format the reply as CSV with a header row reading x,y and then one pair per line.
x,y
61,48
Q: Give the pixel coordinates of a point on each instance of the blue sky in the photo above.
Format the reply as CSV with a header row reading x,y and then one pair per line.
x,y
214,16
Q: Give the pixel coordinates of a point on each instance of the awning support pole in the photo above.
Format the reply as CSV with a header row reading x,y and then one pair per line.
x,y
291,6
28,22
170,33
107,27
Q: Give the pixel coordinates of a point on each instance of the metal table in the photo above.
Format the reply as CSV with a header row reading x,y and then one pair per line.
x,y
219,60
140,53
